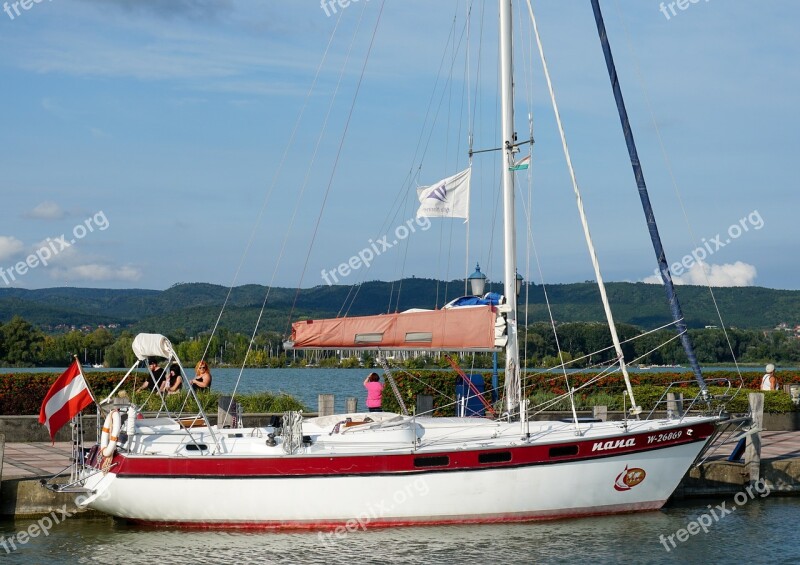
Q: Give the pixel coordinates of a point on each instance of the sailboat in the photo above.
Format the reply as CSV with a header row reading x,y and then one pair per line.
x,y
96,364
361,470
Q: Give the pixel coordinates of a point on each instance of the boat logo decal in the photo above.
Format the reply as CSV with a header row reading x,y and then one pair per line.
x,y
629,478
613,444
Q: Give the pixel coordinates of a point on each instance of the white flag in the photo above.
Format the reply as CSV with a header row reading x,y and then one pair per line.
x,y
448,198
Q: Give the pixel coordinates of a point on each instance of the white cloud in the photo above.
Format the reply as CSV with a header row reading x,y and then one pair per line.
x,y
9,246
47,210
58,254
728,274
97,272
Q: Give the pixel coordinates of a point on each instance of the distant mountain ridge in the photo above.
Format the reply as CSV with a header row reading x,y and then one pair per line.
x,y
194,307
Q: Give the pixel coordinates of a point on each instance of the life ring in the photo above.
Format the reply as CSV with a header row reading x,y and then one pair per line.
x,y
110,435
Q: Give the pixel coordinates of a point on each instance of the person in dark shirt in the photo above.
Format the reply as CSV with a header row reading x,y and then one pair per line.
x,y
154,377
172,384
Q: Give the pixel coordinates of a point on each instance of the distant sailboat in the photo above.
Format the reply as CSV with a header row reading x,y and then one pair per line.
x,y
96,364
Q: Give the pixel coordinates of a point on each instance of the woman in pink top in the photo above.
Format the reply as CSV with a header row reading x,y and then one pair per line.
x,y
374,388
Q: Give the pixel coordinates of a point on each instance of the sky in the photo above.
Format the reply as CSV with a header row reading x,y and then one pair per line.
x,y
147,143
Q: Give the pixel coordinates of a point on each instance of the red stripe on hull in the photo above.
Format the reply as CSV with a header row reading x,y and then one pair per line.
x,y
264,466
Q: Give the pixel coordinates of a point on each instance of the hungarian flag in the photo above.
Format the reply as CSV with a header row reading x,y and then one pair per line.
x,y
65,399
521,165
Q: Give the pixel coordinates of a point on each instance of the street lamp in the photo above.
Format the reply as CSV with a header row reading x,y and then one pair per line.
x,y
477,281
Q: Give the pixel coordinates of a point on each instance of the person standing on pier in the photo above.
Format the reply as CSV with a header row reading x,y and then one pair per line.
x,y
768,381
374,388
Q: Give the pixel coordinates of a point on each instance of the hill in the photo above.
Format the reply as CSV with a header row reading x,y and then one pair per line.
x,y
194,307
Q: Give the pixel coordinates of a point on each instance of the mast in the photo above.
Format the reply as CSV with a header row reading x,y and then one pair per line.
x,y
512,380
663,265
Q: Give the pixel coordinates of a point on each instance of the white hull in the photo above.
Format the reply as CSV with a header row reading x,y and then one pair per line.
x,y
528,492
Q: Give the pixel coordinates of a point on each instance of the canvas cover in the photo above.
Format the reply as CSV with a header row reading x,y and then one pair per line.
x,y
452,329
151,345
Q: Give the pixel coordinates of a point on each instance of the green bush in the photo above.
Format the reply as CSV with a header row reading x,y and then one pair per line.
x,y
544,386
22,394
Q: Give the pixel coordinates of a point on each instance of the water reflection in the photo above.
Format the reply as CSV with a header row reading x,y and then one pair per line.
x,y
760,531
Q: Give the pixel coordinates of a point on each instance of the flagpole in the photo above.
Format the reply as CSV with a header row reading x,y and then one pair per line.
x,y
85,380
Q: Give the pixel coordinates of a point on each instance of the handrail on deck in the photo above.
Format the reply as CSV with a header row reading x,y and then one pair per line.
x,y
725,396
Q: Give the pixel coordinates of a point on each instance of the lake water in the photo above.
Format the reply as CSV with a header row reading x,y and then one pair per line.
x,y
760,531
307,383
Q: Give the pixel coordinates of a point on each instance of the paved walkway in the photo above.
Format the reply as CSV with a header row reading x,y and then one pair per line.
x,y
42,459
779,445
35,459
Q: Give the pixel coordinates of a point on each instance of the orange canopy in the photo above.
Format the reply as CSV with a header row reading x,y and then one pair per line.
x,y
455,329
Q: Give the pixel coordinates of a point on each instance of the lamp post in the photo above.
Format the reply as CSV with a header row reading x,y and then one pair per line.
x,y
477,281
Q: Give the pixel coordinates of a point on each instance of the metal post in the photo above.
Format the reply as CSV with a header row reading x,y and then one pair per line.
x,y
325,404
495,379
752,453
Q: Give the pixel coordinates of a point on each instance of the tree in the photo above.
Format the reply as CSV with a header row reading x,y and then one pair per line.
x,y
120,354
23,342
99,339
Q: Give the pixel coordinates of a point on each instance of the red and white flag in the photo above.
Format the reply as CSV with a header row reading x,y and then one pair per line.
x,y
65,399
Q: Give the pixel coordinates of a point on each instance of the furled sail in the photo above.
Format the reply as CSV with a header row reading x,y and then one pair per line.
x,y
152,345
468,328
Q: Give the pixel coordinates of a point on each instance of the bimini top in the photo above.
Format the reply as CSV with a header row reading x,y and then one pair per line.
x,y
151,345
475,328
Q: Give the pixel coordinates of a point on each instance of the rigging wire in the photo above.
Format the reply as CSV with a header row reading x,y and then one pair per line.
x,y
274,181
338,157
673,179
584,221
528,78
413,172
285,241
